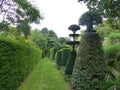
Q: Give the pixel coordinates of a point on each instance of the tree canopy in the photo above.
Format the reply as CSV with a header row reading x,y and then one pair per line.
x,y
18,13
110,9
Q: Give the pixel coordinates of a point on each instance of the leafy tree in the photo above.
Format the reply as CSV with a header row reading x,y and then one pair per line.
x,y
17,13
45,39
62,40
39,39
23,27
45,31
110,9
52,39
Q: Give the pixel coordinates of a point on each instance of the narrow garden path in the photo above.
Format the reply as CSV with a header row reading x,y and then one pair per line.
x,y
44,77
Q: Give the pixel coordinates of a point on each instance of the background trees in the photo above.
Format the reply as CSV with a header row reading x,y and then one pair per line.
x,y
18,13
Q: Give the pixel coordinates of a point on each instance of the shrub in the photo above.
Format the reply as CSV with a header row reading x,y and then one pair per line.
x,y
89,68
114,38
70,62
110,84
112,54
59,57
16,62
51,54
65,54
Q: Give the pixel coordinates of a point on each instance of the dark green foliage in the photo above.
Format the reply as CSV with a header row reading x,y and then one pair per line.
x,y
74,27
59,57
89,68
112,53
110,84
65,54
51,56
89,19
70,62
16,62
108,8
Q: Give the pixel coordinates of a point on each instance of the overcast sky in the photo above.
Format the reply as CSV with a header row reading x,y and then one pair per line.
x,y
59,14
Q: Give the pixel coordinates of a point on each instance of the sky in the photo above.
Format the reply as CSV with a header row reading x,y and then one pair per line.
x,y
59,15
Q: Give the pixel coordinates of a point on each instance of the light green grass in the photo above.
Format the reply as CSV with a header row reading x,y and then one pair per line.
x,y
44,77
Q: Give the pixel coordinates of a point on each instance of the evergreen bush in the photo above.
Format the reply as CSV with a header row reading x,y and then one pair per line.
x,y
89,69
16,62
51,54
65,55
70,62
59,57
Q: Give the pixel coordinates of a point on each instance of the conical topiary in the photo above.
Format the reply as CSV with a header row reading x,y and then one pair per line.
x,y
70,62
89,69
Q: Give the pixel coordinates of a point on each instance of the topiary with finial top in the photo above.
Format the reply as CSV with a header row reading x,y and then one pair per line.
x,y
72,55
89,69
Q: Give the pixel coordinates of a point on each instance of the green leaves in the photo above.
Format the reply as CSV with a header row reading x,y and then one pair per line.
x,y
16,62
89,68
110,9
23,28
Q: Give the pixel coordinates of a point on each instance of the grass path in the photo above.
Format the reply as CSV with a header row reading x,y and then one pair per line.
x,y
44,77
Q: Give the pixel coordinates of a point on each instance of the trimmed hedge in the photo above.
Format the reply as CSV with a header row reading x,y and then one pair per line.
x,y
89,69
16,62
65,55
59,57
51,54
70,62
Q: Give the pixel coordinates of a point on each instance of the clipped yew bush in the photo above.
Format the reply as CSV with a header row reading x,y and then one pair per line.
x,y
59,57
65,55
70,62
16,62
89,69
51,53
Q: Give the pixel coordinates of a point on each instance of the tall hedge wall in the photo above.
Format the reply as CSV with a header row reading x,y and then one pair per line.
x,y
65,55
16,62
89,69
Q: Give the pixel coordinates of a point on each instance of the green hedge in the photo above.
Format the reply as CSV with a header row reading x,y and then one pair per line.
x,y
59,57
51,53
16,62
65,55
89,69
70,62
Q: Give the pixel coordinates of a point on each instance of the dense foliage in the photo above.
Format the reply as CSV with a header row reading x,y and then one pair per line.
x,y
110,9
18,13
70,62
59,57
65,55
89,69
51,53
17,59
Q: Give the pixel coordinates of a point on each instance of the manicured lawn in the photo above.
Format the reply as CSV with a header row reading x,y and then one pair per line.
x,y
44,77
